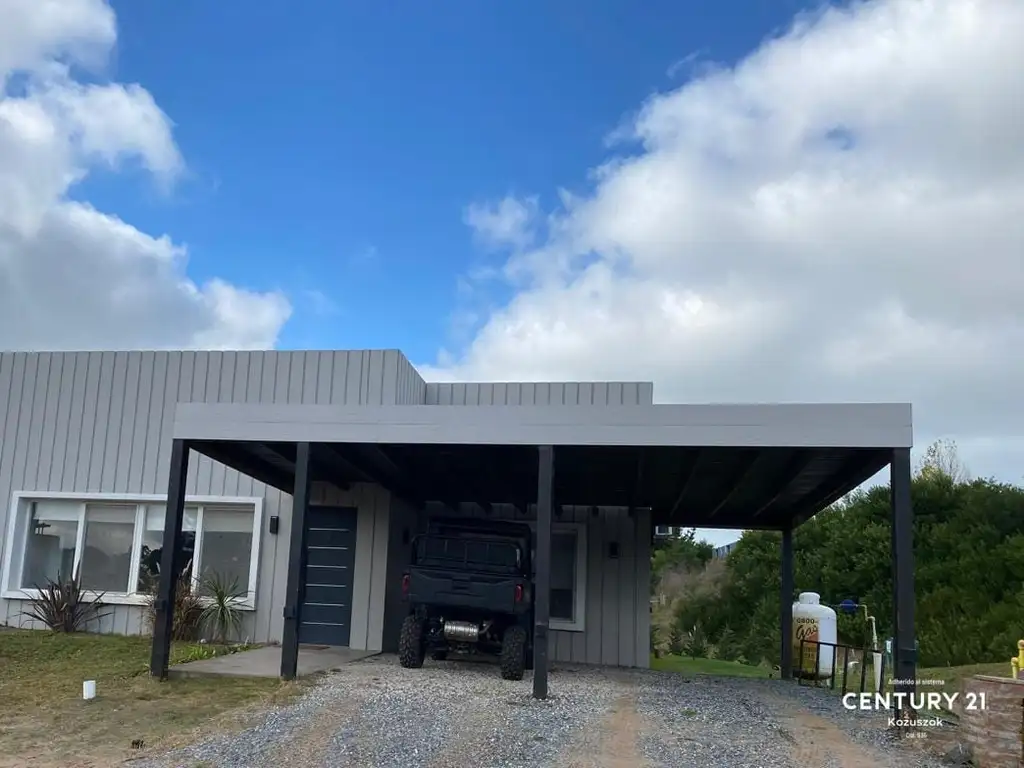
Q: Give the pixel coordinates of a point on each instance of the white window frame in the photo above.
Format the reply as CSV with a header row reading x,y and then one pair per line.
x,y
141,501
580,587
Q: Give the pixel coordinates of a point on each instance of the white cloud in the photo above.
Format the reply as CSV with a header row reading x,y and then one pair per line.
x,y
71,276
509,222
838,216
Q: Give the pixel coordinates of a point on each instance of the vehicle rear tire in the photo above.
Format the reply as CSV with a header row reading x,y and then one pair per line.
x,y
439,655
410,643
513,653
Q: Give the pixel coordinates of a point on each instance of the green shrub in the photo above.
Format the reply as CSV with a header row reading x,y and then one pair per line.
x,y
63,606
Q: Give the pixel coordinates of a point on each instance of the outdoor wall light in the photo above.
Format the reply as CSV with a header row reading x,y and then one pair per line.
x,y
275,523
613,550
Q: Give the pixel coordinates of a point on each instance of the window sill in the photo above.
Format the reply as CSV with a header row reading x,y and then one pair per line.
x,y
561,625
109,599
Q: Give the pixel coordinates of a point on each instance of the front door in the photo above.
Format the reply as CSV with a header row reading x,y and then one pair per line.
x,y
330,559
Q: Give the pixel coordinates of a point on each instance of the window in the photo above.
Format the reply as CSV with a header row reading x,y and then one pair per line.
x,y
226,546
50,539
107,548
568,576
115,543
152,546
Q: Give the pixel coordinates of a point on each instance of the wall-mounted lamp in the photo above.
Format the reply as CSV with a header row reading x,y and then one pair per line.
x,y
613,550
275,524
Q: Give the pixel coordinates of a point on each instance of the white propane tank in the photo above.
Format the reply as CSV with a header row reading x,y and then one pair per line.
x,y
813,623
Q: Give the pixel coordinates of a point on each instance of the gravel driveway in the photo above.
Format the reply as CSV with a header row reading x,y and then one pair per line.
x,y
374,713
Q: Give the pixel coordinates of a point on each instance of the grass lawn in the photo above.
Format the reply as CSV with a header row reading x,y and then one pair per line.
x,y
43,716
687,666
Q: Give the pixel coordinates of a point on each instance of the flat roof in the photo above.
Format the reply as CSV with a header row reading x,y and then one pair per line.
x,y
882,425
720,466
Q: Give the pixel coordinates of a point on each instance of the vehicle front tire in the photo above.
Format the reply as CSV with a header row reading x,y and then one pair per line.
x,y
513,653
410,643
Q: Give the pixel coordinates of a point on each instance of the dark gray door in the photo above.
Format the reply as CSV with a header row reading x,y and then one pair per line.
x,y
330,560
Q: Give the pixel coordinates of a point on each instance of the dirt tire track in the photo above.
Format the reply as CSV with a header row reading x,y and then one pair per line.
x,y
815,740
617,743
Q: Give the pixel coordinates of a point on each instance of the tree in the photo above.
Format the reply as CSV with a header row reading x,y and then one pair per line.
x,y
969,570
942,458
697,643
676,640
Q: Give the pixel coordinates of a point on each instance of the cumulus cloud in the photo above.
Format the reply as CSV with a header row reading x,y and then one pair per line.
x,y
73,277
509,222
837,216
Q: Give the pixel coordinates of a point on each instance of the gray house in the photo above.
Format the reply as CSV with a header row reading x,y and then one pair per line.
x,y
116,463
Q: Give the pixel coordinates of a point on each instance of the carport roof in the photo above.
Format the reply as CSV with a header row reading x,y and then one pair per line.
x,y
724,466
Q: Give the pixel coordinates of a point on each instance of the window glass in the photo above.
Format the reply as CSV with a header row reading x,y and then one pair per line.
x,y
50,543
563,575
106,560
226,548
153,543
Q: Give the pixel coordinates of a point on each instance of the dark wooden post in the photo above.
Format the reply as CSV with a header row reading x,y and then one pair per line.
x,y
171,560
542,586
296,585
786,604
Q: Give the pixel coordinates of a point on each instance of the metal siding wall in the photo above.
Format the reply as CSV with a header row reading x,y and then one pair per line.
x,y
100,422
411,388
540,393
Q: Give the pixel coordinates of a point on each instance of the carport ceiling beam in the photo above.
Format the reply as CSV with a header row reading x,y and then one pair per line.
x,y
241,460
328,458
385,474
318,469
638,482
686,474
379,459
797,465
743,470
854,471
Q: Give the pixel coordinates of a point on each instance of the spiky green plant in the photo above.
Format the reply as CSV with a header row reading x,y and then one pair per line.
x,y
63,606
222,611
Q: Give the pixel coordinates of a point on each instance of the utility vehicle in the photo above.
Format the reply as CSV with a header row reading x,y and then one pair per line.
x,y
469,589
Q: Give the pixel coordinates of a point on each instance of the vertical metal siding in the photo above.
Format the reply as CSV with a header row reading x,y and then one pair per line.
x,y
540,393
100,422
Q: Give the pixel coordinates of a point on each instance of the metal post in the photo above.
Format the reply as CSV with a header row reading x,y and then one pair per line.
x,y
542,586
296,585
171,560
786,604
904,647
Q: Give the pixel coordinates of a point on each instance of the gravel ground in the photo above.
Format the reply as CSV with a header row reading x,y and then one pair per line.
x,y
374,713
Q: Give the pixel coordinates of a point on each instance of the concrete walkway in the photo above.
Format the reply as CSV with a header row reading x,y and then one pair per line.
x,y
266,662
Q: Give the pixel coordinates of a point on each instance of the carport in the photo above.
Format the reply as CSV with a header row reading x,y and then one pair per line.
x,y
719,466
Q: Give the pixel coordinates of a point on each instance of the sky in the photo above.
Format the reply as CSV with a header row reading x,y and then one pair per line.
x,y
748,200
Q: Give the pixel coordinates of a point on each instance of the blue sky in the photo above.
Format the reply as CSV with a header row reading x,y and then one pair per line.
x,y
333,146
